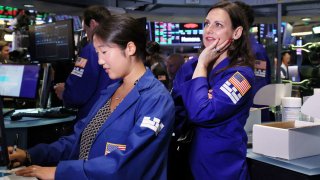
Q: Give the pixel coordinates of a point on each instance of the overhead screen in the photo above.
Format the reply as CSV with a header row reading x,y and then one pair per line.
x,y
168,33
19,81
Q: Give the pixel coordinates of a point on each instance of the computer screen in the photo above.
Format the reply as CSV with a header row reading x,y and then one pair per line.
x,y
19,81
191,32
4,159
52,42
166,33
77,25
169,33
293,73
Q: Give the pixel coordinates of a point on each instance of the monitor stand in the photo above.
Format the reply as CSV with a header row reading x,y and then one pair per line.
x,y
46,86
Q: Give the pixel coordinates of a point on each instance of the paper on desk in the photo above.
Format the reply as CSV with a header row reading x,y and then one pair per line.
x,y
15,177
11,171
311,107
271,94
12,176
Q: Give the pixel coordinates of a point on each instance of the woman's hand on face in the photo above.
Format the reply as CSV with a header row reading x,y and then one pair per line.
x,y
37,171
212,52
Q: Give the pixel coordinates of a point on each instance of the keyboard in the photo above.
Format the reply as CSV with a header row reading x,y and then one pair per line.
x,y
43,113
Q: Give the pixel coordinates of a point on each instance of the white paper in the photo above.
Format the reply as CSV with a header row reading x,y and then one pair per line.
x,y
271,94
311,106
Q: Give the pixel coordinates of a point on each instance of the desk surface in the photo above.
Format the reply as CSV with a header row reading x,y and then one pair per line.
x,y
26,122
9,175
308,165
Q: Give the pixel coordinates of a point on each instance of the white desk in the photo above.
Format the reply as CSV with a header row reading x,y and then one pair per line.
x,y
276,168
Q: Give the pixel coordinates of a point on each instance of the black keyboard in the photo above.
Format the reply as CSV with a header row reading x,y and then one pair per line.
x,y
47,114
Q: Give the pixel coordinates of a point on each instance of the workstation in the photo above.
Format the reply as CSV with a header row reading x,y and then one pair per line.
x,y
46,39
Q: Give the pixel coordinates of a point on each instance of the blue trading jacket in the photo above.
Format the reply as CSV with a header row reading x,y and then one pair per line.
x,y
141,126
262,65
218,149
83,86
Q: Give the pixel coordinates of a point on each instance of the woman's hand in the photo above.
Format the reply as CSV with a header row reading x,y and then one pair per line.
x,y
209,55
212,52
37,171
17,157
59,89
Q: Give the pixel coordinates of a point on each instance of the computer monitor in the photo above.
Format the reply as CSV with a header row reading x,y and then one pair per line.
x,y
52,42
20,81
293,73
77,25
4,158
169,33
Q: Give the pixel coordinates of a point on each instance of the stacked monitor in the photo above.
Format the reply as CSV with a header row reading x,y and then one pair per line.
x,y
19,81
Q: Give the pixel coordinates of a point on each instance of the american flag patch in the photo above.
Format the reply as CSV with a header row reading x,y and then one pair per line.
x,y
81,62
112,147
240,82
235,87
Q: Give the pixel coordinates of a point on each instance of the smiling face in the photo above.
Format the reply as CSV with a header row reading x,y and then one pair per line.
x,y
217,26
111,58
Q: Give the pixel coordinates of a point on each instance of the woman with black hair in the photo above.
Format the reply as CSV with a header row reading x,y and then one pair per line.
x,y
127,132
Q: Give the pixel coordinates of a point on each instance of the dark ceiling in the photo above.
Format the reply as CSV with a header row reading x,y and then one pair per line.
x,y
178,10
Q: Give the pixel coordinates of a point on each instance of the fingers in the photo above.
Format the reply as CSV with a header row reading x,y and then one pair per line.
x,y
14,164
59,88
223,46
29,171
10,149
214,44
210,94
58,85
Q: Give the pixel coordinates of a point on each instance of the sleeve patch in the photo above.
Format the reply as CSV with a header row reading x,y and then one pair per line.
x,y
81,62
236,87
260,68
153,124
79,67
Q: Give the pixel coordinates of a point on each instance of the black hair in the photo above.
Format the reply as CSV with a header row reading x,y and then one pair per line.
x,y
3,44
96,12
247,10
152,47
120,30
239,52
284,53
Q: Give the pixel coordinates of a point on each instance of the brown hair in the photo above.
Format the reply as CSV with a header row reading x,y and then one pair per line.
x,y
239,51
